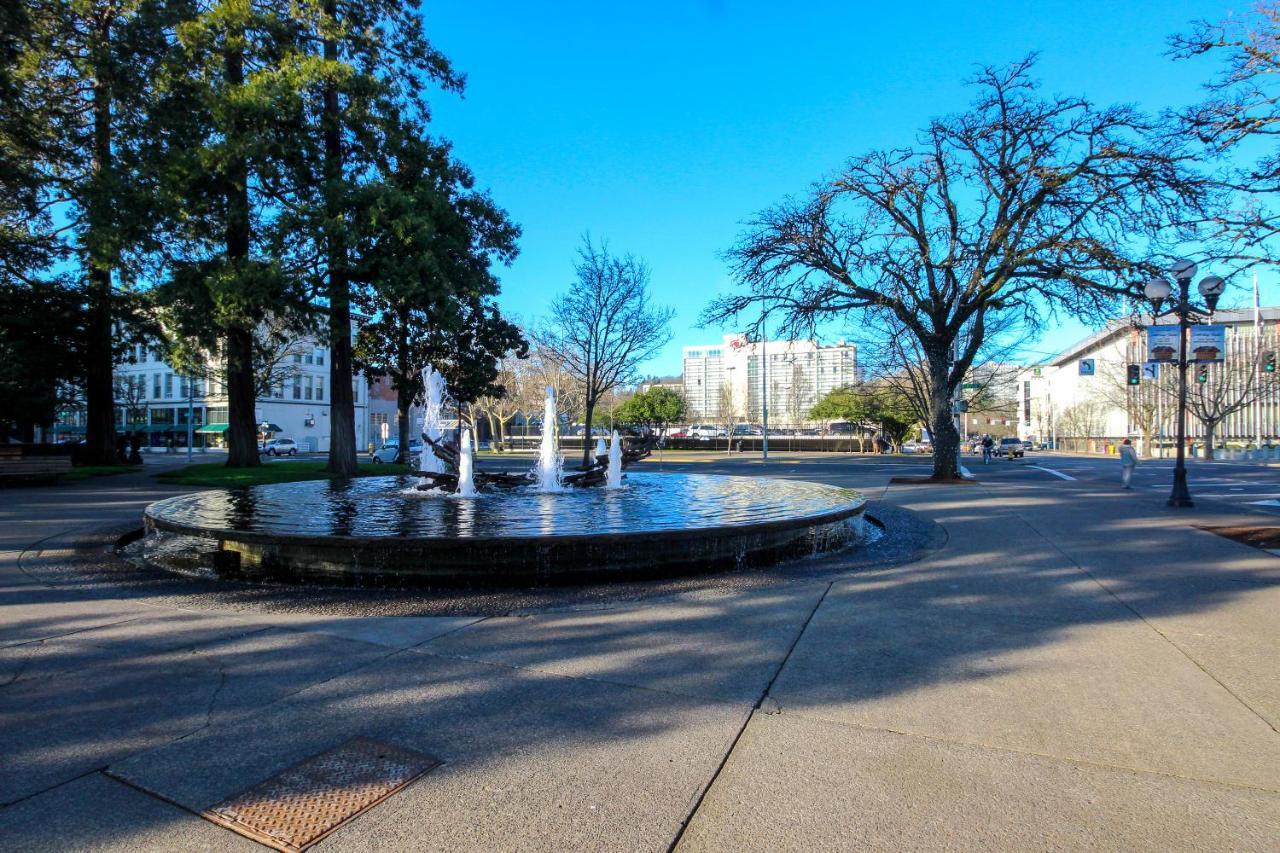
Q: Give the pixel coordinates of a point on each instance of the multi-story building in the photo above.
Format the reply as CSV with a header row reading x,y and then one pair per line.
x,y
1093,407
156,397
734,379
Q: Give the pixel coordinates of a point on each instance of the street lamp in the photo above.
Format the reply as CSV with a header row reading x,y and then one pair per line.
x,y
1158,290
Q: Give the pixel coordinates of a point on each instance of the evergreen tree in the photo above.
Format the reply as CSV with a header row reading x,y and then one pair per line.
x,y
421,249
88,66
373,65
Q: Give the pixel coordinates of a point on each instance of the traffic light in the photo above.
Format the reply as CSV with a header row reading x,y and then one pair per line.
x,y
1202,373
1135,374
1269,361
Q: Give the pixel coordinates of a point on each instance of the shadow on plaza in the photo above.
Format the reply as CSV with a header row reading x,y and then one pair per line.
x,y
235,703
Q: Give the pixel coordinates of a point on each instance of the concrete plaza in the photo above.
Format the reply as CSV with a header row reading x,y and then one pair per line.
x,y
1063,666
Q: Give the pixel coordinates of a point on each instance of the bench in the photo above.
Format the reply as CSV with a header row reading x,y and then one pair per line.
x,y
14,465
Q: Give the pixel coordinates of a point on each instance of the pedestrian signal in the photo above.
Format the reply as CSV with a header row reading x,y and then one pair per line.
x,y
1135,374
1202,373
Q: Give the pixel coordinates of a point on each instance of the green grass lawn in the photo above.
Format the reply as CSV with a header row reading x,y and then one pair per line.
x,y
217,474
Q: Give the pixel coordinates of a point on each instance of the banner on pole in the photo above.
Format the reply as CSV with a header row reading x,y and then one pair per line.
x,y
1208,343
1162,344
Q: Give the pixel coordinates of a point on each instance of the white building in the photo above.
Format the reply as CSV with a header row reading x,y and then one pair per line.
x,y
1090,410
732,379
153,395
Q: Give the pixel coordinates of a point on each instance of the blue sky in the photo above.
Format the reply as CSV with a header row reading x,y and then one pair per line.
x,y
662,126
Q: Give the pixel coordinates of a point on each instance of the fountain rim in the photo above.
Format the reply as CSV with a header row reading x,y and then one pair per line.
x,y
846,510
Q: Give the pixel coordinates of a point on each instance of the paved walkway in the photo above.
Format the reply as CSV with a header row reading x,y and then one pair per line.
x,y
1076,668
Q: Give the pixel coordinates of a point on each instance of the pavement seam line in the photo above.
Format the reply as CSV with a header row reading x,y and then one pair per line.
x,y
733,745
1008,750
52,787
1124,603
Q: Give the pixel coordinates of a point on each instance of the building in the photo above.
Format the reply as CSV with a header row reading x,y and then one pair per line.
x,y
732,380
1095,407
154,396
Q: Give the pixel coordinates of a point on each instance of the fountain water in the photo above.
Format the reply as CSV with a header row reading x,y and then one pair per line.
x,y
433,384
549,462
466,477
614,477
600,451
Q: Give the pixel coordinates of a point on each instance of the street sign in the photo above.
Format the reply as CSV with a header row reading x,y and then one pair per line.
x,y
972,386
1088,367
1037,372
1151,370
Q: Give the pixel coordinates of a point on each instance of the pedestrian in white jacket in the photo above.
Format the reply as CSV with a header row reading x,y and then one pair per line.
x,y
1128,461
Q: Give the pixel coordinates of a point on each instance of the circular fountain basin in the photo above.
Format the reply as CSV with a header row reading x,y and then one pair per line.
x,y
378,531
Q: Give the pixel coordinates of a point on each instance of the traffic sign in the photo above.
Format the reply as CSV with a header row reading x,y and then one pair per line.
x,y
972,386
1088,367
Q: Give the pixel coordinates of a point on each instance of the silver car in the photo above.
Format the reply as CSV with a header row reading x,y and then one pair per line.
x,y
390,449
281,447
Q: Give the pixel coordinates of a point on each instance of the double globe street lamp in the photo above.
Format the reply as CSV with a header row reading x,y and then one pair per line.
x,y
1158,290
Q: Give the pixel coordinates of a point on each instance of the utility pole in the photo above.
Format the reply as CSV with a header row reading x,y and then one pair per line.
x,y
764,390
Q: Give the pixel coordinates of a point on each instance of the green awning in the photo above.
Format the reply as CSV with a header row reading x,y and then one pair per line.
x,y
214,428
267,427
155,428
68,430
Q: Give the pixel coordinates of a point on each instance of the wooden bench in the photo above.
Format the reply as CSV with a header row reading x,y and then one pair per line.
x,y
14,465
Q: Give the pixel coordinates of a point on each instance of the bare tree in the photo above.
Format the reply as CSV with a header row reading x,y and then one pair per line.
x,y
1083,420
1229,386
1241,111
730,407
130,391
605,327
1024,203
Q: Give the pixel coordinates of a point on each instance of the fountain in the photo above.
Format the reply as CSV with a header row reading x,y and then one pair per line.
x,y
613,479
539,526
549,462
466,475
433,386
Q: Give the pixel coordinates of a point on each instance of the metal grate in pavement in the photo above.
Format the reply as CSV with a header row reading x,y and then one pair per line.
x,y
299,806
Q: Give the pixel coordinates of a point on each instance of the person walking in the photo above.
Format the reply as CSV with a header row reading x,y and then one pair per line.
x,y
1128,461
988,444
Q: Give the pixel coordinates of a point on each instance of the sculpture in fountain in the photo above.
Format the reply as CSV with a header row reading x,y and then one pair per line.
x,y
547,475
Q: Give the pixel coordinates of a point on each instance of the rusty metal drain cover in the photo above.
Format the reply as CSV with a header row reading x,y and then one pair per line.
x,y
299,806
1266,538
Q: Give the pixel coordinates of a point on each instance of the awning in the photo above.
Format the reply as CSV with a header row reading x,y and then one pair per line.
x,y
61,429
267,427
214,428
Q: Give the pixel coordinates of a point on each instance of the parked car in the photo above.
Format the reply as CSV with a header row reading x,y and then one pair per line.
x,y
390,449
1010,446
915,447
706,431
280,447
747,429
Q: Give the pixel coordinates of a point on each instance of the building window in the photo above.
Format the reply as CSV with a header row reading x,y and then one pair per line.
x,y
279,390
168,386
184,389
297,358
155,386
308,385
320,357
297,387
319,387
310,359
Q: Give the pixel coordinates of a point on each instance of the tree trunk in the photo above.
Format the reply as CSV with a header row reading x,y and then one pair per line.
x,y
1209,430
99,359
342,409
942,426
586,436
403,401
242,429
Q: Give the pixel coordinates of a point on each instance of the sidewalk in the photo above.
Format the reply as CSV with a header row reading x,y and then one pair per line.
x,y
1075,669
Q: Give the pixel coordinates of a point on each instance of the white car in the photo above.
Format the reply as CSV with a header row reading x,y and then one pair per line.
x,y
281,447
917,447
388,452
706,431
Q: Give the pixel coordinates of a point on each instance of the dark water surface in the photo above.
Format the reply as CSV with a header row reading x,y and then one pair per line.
x,y
380,507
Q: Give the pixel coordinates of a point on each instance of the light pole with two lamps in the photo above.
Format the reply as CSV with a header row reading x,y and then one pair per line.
x,y
1158,290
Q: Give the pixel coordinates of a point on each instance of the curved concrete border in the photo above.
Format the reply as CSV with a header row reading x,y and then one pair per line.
x,y
509,560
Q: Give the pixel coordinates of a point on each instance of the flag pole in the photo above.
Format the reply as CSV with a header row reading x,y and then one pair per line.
x,y
1257,360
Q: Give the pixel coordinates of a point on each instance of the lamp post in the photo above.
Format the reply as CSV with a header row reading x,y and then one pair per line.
x,y
1158,290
